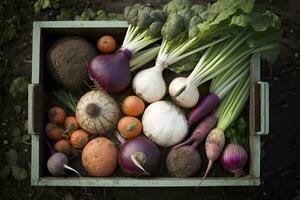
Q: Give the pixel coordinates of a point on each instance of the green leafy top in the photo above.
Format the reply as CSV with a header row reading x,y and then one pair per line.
x,y
145,18
238,133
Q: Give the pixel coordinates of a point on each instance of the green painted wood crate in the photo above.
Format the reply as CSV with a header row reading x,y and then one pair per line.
x,y
258,115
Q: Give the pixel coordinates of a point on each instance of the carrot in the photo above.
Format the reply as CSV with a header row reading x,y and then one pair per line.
x,y
63,146
53,132
130,127
79,139
106,44
71,124
57,115
133,106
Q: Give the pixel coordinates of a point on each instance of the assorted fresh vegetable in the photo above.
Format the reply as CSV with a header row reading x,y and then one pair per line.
x,y
112,71
250,29
228,110
182,37
214,42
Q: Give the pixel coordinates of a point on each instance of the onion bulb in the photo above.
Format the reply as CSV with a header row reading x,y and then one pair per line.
x,y
97,112
138,156
149,84
164,123
188,98
234,159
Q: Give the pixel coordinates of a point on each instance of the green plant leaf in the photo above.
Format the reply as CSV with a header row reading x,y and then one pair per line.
x,y
18,88
11,157
4,173
240,20
64,15
18,172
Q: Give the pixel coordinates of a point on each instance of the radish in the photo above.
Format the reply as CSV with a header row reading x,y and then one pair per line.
x,y
200,132
219,88
184,160
227,112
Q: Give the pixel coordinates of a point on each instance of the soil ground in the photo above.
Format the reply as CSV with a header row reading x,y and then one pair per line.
x,y
280,149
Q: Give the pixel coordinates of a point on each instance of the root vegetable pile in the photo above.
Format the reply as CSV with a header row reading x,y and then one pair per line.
x,y
151,128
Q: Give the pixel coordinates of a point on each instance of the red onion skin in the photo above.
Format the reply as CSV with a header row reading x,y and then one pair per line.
x,y
111,71
55,164
139,144
234,158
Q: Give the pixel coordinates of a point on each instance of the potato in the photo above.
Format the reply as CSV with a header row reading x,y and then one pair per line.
x,y
99,157
67,61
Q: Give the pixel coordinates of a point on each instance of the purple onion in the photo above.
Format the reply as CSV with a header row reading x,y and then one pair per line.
x,y
184,161
111,71
138,156
234,159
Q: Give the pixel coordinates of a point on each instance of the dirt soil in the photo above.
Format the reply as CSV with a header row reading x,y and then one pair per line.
x,y
280,149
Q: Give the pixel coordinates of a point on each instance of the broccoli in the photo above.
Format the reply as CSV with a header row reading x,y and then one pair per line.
x,y
144,27
144,19
173,27
193,29
176,6
155,29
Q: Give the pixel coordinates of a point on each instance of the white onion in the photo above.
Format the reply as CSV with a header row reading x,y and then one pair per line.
x,y
149,84
164,123
188,98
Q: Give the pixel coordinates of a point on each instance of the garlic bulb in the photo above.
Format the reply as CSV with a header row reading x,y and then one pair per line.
x,y
190,95
97,112
149,84
164,123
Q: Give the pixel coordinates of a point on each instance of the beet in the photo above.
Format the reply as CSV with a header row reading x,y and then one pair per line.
x,y
184,161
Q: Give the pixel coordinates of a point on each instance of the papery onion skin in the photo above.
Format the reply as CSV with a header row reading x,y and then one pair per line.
x,y
149,84
234,158
188,98
141,145
164,123
111,71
